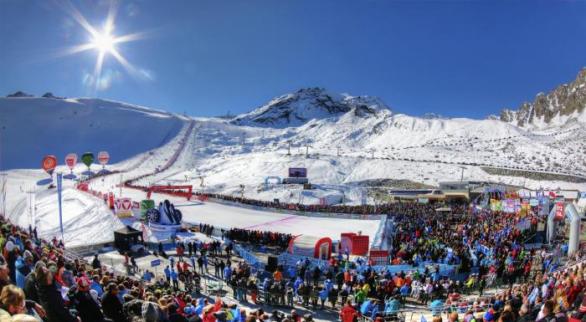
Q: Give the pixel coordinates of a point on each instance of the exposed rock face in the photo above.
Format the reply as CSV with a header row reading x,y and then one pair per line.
x,y
567,100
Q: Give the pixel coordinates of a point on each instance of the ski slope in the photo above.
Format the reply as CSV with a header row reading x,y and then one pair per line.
x,y
31,128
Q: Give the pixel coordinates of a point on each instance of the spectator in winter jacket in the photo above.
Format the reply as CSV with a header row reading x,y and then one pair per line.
x,y
227,273
23,265
67,275
348,312
96,262
111,304
167,272
31,286
89,310
174,278
96,286
11,253
51,299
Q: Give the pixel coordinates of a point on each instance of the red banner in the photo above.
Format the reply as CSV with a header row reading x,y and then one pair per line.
x,y
559,211
378,257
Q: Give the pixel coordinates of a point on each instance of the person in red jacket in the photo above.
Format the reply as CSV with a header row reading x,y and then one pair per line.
x,y
348,313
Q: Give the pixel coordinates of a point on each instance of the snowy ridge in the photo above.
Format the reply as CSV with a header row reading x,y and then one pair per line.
x,y
308,104
31,128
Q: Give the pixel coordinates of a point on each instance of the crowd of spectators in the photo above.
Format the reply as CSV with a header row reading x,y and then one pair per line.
x,y
267,238
385,208
38,282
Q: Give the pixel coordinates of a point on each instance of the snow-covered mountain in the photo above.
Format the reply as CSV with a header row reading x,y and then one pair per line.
x,y
31,128
307,104
343,140
564,104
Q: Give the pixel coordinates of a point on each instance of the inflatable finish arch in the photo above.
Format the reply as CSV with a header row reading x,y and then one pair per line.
x,y
573,216
274,179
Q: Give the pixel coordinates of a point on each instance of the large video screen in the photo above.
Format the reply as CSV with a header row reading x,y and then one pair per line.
x,y
298,172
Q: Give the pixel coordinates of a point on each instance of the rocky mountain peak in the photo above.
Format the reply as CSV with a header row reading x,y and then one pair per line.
x,y
305,104
566,102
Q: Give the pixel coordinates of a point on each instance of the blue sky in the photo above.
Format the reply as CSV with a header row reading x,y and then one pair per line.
x,y
455,58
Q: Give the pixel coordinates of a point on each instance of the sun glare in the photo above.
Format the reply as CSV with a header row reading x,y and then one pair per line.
x,y
104,42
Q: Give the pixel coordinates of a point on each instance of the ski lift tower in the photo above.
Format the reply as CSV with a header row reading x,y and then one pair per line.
x,y
462,174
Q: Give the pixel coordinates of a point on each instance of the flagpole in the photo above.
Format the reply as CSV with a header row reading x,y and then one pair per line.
x,y
59,189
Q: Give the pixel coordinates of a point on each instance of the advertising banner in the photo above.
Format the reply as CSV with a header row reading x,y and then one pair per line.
x,y
71,160
87,159
559,211
123,207
298,172
49,163
103,157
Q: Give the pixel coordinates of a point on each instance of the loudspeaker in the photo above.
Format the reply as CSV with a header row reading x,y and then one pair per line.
x,y
272,264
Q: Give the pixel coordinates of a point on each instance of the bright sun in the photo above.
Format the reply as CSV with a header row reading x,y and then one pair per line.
x,y
104,42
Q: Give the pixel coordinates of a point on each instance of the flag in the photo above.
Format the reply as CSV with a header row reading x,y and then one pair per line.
x,y
59,188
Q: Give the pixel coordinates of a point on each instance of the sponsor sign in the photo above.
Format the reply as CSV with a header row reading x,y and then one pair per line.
x,y
71,160
559,211
49,163
123,207
103,157
298,172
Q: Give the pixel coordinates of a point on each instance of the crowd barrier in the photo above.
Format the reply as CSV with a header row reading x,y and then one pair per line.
x,y
295,212
287,259
444,269
249,257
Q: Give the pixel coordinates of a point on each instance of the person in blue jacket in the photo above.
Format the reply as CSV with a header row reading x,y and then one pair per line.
x,y
97,286
174,278
23,265
167,271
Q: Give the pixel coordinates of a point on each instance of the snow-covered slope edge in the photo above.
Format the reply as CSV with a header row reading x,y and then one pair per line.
x,y
33,127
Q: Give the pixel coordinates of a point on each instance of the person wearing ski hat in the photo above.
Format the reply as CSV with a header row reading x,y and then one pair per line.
x,y
23,265
11,253
79,294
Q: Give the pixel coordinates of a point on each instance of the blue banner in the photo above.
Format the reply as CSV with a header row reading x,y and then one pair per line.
x,y
59,188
